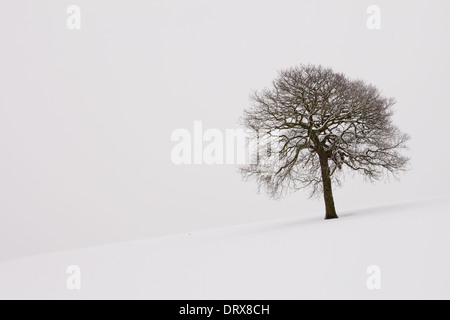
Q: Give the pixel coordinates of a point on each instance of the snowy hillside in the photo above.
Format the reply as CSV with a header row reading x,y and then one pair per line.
x,y
289,259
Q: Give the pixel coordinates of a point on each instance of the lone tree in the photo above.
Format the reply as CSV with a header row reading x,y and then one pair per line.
x,y
316,125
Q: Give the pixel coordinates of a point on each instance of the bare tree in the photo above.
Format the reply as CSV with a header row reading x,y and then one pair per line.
x,y
317,125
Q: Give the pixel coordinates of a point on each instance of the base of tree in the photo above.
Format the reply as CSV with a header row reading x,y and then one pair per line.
x,y
331,217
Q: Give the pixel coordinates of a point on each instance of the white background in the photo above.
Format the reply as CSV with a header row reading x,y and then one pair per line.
x,y
86,115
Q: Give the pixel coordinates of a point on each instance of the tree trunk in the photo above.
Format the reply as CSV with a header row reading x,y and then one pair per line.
x,y
327,188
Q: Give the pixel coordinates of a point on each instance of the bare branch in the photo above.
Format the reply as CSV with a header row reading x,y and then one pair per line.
x,y
312,113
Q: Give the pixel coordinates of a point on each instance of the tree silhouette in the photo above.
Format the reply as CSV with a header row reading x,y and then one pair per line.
x,y
316,125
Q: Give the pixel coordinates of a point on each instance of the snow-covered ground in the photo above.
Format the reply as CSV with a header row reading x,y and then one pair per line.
x,y
299,258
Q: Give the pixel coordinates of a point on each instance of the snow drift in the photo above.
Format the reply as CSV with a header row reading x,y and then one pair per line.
x,y
302,258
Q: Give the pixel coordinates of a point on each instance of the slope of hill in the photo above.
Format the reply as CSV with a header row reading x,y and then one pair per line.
x,y
297,258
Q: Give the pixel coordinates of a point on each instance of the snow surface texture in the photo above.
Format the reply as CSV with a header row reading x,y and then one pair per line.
x,y
289,259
